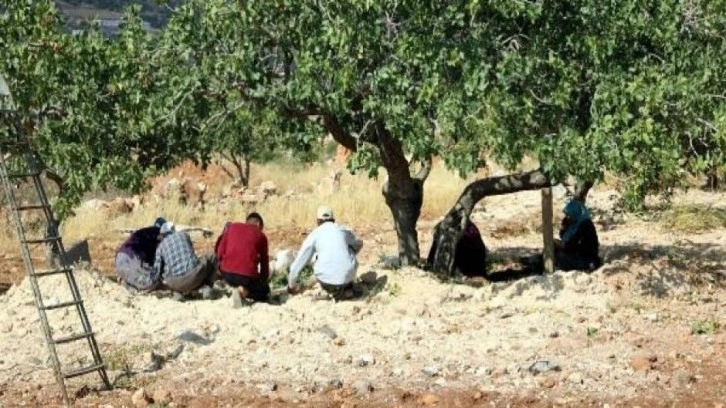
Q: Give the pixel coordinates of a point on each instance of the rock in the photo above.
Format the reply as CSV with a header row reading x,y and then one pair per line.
x,y
366,360
252,198
6,327
431,371
553,335
543,366
682,378
339,341
118,206
191,337
94,205
429,399
653,317
440,382
641,364
268,188
548,382
162,396
326,330
369,278
576,378
267,387
363,387
483,371
140,398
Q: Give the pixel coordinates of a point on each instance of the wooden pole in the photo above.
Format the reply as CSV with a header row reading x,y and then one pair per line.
x,y
548,231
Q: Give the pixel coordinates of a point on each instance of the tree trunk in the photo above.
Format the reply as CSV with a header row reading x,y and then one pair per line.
x,y
581,190
405,203
403,194
242,165
448,232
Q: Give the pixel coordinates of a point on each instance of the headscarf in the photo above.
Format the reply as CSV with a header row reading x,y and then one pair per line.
x,y
578,213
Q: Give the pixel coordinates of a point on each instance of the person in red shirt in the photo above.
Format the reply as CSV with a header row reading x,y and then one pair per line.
x,y
243,258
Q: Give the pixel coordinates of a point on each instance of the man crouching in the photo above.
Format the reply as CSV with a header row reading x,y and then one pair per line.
x,y
336,265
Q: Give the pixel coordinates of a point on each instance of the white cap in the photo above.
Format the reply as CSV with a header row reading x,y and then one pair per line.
x,y
325,213
167,228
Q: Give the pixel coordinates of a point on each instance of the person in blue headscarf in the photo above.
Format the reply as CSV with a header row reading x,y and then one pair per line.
x,y
578,246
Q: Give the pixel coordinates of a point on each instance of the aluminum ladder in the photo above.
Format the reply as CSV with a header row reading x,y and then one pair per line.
x,y
19,162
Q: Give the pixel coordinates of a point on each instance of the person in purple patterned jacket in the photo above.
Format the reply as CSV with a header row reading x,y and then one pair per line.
x,y
135,258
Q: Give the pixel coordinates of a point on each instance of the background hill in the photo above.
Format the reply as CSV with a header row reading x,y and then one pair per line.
x,y
80,10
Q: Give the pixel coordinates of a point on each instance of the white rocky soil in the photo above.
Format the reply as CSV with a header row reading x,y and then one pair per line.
x,y
623,330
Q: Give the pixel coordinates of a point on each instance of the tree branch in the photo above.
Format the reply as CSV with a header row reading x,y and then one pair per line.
x,y
426,166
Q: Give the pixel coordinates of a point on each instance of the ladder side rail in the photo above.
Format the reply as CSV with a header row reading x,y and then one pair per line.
x,y
29,268
34,167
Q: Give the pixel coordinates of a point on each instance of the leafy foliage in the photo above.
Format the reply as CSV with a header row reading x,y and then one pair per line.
x,y
635,88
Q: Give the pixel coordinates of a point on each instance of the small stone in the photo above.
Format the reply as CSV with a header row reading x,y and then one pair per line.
x,y
162,396
440,382
326,330
266,387
483,371
366,360
555,334
652,317
431,371
543,366
429,399
6,327
477,396
548,382
363,387
575,378
641,364
140,398
682,378
339,341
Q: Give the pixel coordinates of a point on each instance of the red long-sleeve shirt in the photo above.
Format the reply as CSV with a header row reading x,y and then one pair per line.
x,y
241,248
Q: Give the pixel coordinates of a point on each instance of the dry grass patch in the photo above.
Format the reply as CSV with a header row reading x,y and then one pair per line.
x,y
358,203
694,218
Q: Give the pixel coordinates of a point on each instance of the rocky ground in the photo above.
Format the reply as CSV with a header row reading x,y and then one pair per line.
x,y
644,330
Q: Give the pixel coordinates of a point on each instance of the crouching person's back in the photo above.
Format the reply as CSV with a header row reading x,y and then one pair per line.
x,y
180,267
335,249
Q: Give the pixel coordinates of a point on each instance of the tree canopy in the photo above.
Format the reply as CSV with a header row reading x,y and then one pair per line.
x,y
635,88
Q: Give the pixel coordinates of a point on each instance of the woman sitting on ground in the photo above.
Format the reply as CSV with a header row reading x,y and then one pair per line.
x,y
578,246
470,256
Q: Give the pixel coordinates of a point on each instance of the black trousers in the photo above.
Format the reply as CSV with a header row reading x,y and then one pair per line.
x,y
258,288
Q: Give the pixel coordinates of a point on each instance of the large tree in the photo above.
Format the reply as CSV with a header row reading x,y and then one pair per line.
x,y
96,110
636,88
385,79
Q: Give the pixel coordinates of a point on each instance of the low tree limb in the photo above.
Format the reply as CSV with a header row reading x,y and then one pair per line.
x,y
448,232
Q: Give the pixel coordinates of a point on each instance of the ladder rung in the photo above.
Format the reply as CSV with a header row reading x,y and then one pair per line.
x,y
71,338
48,272
60,305
32,207
84,370
41,240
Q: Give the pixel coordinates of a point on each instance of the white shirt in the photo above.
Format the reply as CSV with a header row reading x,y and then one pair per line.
x,y
335,247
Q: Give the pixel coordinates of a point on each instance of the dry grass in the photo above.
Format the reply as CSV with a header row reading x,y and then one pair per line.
x,y
694,218
358,202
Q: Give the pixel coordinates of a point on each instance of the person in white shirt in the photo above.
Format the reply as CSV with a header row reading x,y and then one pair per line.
x,y
335,265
